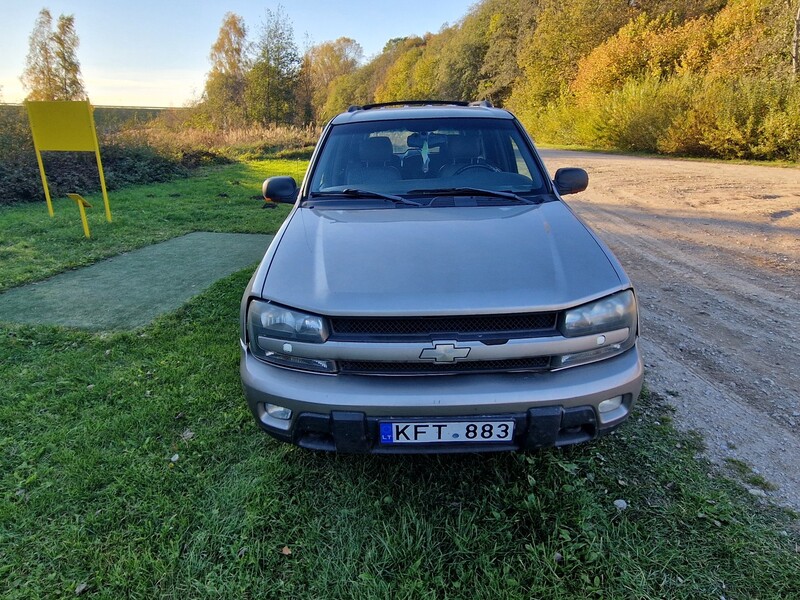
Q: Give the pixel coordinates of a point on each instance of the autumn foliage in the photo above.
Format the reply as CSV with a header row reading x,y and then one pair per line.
x,y
690,77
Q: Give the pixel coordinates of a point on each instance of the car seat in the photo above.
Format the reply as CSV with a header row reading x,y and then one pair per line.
x,y
463,150
375,156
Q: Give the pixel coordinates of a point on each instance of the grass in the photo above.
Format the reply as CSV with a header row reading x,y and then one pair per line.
x,y
746,474
130,467
34,246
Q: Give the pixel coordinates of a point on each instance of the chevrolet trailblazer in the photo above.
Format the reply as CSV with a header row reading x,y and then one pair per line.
x,y
430,291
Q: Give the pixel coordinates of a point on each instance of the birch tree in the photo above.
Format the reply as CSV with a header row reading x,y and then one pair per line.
x,y
52,70
224,94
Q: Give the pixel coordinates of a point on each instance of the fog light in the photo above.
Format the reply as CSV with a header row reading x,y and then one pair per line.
x,y
607,408
279,412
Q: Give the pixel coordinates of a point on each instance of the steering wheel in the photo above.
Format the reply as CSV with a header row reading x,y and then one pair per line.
x,y
484,166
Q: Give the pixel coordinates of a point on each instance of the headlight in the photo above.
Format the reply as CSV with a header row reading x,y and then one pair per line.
x,y
597,318
266,320
607,314
271,320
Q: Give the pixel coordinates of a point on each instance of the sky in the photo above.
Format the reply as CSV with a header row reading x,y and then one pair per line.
x,y
155,52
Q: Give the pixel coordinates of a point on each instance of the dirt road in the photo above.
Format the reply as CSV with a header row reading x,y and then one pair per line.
x,y
714,251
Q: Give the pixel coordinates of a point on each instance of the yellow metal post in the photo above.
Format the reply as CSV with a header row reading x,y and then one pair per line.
x,y
100,166
81,204
44,180
103,185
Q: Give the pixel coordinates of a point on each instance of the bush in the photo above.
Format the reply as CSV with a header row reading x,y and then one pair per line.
x,y
715,85
135,148
749,117
132,165
633,117
124,163
636,116
780,131
560,122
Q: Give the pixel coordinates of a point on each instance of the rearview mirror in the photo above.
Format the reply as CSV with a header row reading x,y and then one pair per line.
x,y
571,181
417,140
280,189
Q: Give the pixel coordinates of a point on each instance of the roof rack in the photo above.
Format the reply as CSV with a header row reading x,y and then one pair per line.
x,y
356,107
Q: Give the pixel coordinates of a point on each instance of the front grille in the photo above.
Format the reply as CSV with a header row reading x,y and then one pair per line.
x,y
481,327
365,367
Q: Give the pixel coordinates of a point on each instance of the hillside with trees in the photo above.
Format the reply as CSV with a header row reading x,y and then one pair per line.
x,y
707,78
689,77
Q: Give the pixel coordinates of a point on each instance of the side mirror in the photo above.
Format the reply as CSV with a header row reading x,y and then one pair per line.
x,y
571,180
280,189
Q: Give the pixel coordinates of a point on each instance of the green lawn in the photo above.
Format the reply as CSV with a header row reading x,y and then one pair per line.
x,y
34,246
130,466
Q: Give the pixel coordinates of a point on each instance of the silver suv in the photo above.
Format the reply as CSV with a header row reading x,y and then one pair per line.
x,y
430,291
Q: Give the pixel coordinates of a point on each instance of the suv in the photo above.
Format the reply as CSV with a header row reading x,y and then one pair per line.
x,y
430,291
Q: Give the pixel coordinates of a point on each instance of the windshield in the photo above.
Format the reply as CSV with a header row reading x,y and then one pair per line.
x,y
419,157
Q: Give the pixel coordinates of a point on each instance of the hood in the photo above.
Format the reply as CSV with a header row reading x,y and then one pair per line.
x,y
429,261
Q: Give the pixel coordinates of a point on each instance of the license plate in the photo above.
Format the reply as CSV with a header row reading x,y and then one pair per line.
x,y
398,432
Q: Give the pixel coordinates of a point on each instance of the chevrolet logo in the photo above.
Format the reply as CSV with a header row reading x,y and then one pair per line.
x,y
444,353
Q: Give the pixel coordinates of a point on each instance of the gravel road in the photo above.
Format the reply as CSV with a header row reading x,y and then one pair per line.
x,y
714,252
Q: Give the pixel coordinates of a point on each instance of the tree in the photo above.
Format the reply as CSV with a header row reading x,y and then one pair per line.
x,y
304,92
52,70
224,93
505,25
229,52
796,44
564,33
39,74
399,83
325,62
69,83
414,73
461,59
360,86
272,80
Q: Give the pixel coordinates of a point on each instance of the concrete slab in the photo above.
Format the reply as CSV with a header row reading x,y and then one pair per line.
x,y
130,290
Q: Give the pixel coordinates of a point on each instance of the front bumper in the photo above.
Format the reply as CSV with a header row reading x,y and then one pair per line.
x,y
343,412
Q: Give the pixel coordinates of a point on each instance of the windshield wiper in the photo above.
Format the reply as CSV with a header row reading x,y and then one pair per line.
x,y
470,191
357,193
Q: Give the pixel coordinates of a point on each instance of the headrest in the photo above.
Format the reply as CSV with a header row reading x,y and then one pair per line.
x,y
415,140
375,150
462,146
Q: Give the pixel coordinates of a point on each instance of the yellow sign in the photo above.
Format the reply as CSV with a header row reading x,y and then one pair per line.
x,y
81,205
65,127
